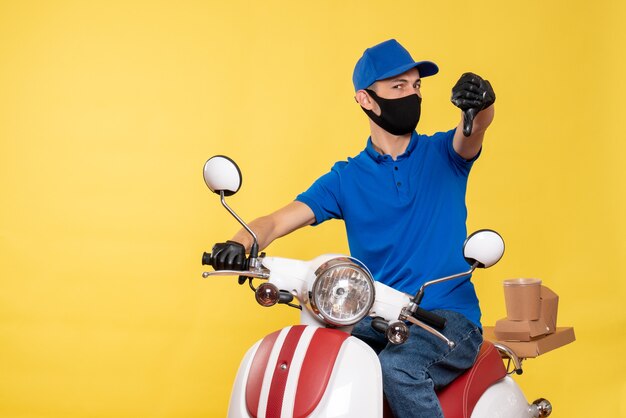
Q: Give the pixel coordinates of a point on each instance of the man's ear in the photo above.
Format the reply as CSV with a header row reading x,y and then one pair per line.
x,y
364,99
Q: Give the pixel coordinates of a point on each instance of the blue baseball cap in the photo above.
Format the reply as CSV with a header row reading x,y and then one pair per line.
x,y
385,60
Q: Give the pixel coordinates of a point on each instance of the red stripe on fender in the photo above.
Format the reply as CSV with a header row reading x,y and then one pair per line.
x,y
316,369
257,371
279,379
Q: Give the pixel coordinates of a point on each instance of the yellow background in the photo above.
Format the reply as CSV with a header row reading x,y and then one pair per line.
x,y
109,109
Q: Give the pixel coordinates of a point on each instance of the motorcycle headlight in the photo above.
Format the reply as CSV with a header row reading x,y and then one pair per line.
x,y
343,291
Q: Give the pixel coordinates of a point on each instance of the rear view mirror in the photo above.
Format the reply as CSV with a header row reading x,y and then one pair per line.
x,y
484,247
221,174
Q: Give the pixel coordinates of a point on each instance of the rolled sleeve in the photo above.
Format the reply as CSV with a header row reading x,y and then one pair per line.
x,y
323,197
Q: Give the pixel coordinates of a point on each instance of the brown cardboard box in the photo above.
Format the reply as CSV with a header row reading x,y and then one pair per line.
x,y
534,348
549,308
514,330
506,330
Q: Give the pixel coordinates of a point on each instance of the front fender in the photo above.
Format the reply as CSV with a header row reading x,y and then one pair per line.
x,y
307,371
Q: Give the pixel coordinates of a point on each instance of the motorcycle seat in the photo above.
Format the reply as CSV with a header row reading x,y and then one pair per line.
x,y
459,398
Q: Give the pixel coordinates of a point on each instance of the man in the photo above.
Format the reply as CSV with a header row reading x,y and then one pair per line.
x,y
403,202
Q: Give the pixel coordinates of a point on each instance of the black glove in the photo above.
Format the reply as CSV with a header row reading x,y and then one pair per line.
x,y
472,94
229,255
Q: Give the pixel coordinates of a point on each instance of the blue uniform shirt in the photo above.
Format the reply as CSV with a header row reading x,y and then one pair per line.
x,y
405,219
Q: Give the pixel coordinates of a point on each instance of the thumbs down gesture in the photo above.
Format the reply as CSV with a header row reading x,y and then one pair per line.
x,y
472,94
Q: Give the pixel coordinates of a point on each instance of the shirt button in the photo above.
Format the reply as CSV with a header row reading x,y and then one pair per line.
x,y
399,184
395,168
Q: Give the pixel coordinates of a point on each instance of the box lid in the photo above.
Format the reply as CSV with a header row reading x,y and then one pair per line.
x,y
537,347
507,330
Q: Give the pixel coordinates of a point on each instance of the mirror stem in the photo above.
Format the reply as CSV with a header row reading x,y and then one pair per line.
x,y
420,294
254,249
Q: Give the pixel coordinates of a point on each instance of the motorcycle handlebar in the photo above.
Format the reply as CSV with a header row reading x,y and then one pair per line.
x,y
425,316
207,259
430,318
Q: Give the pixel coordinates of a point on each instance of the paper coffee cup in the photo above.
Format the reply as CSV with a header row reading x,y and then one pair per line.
x,y
523,299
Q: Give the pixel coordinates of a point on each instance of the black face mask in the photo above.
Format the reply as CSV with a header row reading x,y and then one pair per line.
x,y
397,116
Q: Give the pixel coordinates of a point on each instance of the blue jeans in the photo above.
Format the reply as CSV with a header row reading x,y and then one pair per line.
x,y
414,370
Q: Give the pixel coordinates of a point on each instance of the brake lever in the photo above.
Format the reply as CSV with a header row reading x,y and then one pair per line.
x,y
252,274
428,328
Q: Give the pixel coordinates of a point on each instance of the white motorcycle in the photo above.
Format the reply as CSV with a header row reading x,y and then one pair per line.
x,y
317,369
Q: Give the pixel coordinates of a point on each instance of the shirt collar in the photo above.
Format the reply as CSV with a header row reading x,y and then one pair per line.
x,y
378,157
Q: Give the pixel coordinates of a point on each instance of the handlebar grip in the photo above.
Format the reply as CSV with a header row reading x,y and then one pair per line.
x,y
430,318
207,259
